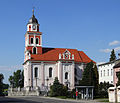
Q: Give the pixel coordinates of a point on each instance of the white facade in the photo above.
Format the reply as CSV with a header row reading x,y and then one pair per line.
x,y
59,70
106,72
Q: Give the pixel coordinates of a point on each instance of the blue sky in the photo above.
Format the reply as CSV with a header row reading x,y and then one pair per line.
x,y
92,26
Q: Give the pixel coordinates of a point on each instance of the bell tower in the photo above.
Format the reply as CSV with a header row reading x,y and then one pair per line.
x,y
33,38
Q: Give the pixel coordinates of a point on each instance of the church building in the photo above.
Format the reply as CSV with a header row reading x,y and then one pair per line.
x,y
43,64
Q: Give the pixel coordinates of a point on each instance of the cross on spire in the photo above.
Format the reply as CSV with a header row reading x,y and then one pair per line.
x,y
33,10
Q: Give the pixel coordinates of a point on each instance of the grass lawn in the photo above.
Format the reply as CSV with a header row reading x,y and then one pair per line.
x,y
102,100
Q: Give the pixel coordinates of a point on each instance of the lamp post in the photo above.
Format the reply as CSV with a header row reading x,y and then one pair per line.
x,y
67,82
47,85
36,81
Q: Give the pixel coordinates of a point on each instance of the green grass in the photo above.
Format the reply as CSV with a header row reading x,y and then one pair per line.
x,y
61,97
102,100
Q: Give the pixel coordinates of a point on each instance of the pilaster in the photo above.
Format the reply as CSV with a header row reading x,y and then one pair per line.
x,y
42,74
72,75
60,72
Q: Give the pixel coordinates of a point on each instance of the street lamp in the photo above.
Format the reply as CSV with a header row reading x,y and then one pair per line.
x,y
47,85
36,81
67,82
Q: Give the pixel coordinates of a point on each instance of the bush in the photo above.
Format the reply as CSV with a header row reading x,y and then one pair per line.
x,y
103,90
58,89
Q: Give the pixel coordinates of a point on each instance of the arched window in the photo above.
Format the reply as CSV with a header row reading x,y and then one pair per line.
x,y
34,50
37,41
31,40
50,72
36,72
37,28
101,73
66,75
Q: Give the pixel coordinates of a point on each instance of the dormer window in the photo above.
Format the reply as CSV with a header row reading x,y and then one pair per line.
x,y
67,54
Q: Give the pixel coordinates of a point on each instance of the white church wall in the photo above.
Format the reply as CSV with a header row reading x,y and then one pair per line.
x,y
51,79
66,68
27,74
36,81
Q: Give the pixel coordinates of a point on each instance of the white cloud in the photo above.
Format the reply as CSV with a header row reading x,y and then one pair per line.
x,y
114,43
105,50
117,49
100,63
9,68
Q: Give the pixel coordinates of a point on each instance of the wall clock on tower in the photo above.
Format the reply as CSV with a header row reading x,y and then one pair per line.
x,y
34,27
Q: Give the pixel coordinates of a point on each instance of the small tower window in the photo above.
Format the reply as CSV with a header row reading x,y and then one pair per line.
x,y
66,75
36,72
50,72
31,40
37,28
34,50
29,27
37,41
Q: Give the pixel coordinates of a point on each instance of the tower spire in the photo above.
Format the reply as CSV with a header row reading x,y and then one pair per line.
x,y
33,10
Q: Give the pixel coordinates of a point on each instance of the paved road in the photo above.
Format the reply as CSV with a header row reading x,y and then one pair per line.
x,y
36,99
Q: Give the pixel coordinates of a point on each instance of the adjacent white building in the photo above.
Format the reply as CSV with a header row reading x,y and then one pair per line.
x,y
106,72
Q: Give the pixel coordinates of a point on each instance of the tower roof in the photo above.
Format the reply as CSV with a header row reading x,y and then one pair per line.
x,y
33,19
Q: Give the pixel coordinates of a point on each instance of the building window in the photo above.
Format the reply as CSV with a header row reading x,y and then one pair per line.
x,y
29,27
101,73
108,72
50,72
37,41
111,72
66,75
31,40
104,72
34,50
36,72
37,28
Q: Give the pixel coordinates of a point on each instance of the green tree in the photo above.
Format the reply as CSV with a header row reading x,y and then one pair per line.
x,y
118,76
103,89
1,84
112,55
90,77
17,80
58,89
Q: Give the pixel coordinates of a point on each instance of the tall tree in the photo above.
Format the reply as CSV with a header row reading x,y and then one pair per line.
x,y
112,55
90,77
17,80
118,76
1,84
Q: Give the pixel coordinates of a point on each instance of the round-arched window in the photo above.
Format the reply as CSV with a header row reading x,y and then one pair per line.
x,y
36,72
66,75
50,72
37,41
34,50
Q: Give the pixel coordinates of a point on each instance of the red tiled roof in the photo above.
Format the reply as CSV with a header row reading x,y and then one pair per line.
x,y
52,54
